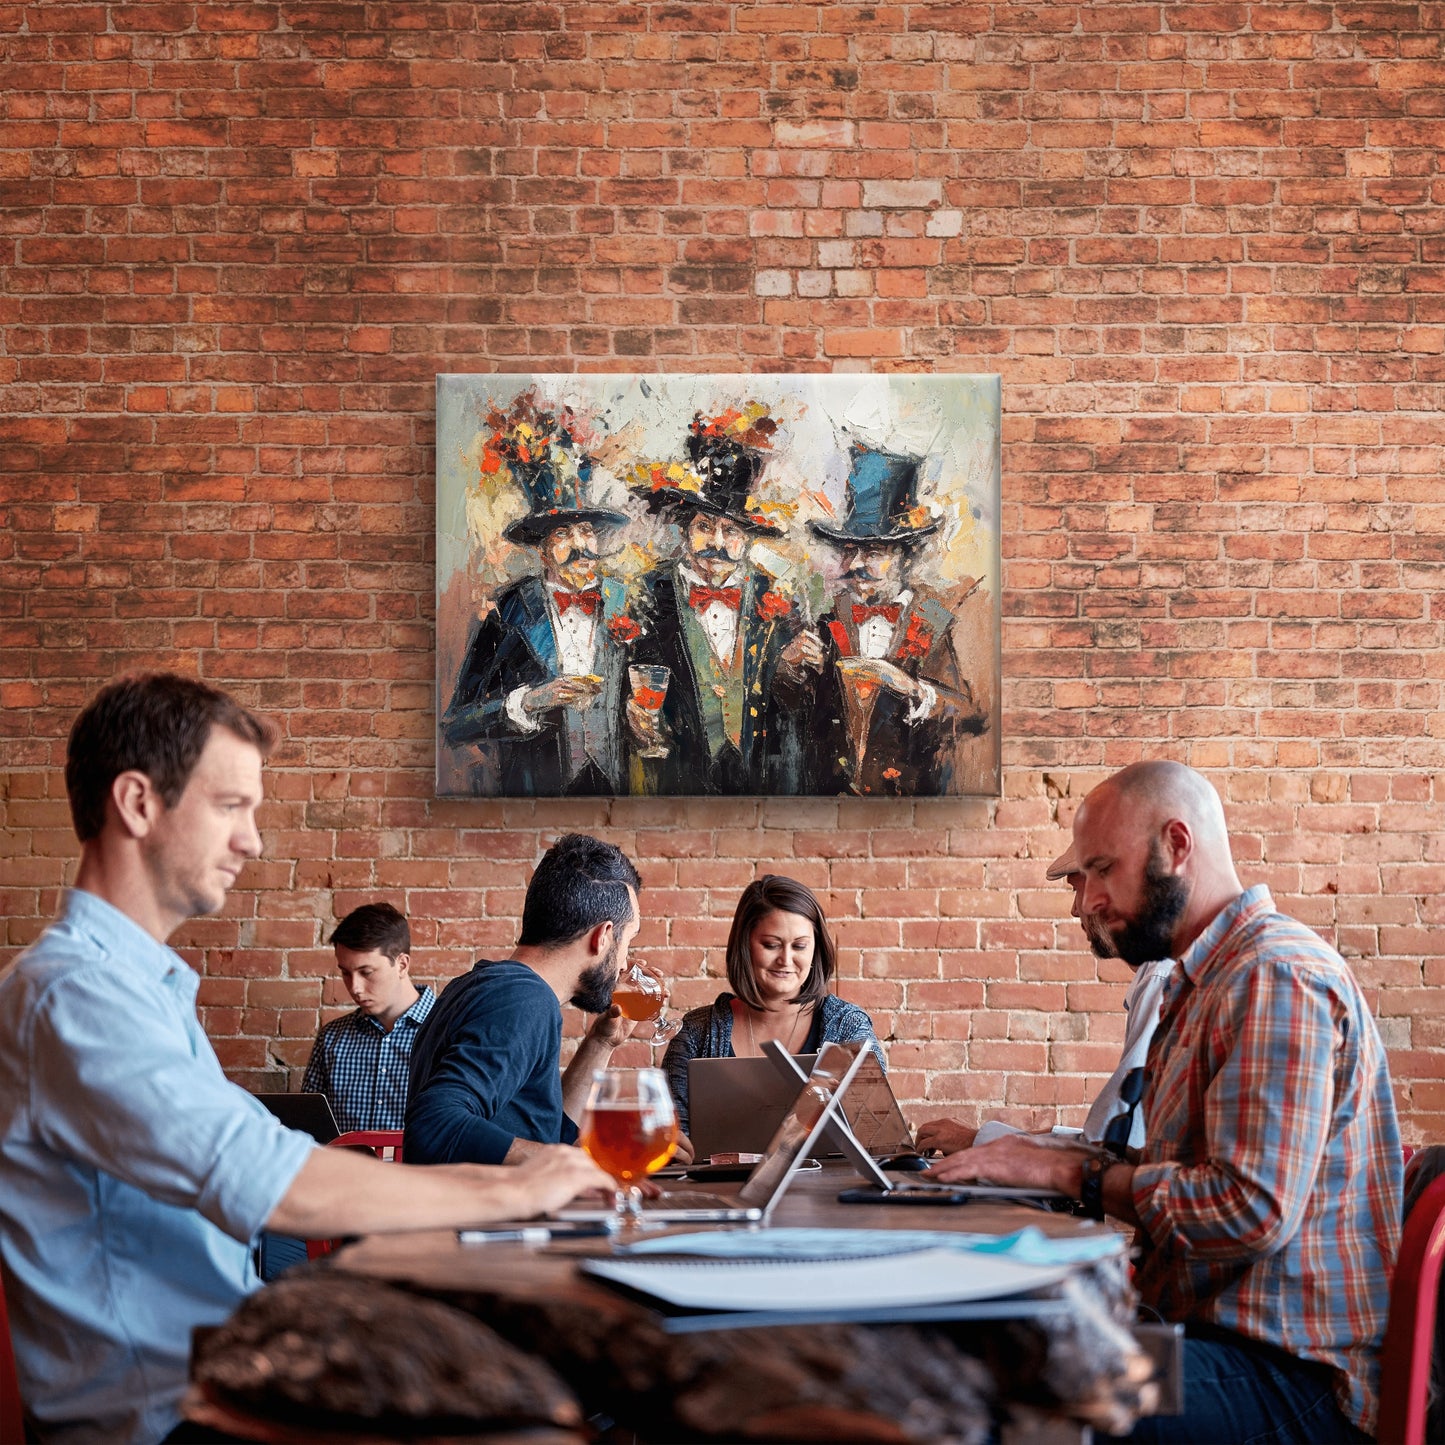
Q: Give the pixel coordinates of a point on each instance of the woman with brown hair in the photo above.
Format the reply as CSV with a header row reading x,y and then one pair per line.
x,y
780,961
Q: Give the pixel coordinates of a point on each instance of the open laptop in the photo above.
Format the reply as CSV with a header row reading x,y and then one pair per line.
x,y
310,1113
815,1102
869,1111
736,1105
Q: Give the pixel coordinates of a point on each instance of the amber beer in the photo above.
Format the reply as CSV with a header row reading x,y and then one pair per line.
x,y
630,1139
636,1005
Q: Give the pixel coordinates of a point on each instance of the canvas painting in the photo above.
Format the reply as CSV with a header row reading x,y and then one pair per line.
x,y
717,585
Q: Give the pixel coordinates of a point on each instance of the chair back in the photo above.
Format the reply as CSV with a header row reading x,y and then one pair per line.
x,y
384,1143
12,1415
1410,1334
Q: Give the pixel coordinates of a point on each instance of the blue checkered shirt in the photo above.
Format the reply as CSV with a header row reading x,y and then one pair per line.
x,y
363,1068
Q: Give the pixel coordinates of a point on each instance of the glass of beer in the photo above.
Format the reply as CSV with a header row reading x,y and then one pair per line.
x,y
630,1129
642,997
649,691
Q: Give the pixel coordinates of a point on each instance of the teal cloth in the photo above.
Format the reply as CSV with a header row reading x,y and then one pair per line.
x,y
1027,1246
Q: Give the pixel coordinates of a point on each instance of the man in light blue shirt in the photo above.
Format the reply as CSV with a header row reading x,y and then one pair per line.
x,y
133,1176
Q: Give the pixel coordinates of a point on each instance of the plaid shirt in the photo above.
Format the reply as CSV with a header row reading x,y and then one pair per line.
x,y
363,1069
1269,1185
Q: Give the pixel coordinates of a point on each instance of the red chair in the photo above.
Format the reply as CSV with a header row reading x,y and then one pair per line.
x,y
384,1143
12,1415
1410,1335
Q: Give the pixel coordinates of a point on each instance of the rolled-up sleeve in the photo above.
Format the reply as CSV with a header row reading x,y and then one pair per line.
x,y
176,1129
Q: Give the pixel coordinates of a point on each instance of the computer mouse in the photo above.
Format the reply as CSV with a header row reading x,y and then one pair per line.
x,y
905,1163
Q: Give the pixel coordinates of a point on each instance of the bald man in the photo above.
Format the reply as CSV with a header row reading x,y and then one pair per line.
x,y
1266,1200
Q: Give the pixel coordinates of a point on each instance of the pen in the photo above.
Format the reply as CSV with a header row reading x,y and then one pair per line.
x,y
505,1236
535,1234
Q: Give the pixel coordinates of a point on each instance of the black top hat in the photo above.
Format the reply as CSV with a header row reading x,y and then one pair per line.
x,y
881,497
726,471
556,488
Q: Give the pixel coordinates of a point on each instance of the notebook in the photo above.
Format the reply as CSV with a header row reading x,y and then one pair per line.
x,y
815,1103
736,1105
309,1113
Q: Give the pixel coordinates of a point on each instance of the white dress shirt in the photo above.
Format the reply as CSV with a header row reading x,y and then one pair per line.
x,y
575,632
875,639
1142,1002
719,621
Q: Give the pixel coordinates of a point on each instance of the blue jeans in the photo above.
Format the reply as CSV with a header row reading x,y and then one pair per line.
x,y
1241,1392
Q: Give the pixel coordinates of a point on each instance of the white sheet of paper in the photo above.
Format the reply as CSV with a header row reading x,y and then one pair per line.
x,y
932,1276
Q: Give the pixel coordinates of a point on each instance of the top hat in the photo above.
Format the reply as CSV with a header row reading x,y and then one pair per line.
x,y
881,498
723,474
556,487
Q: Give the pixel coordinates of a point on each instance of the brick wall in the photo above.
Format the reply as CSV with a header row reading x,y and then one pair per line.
x,y
1201,243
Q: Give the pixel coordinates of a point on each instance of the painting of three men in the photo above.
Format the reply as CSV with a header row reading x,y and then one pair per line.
x,y
717,585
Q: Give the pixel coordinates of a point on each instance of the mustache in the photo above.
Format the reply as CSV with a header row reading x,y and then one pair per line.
x,y
858,574
717,554
581,554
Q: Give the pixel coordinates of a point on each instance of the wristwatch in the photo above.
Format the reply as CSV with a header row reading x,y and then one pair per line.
x,y
1091,1184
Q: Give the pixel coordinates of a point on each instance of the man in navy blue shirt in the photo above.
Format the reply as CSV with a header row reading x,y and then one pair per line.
x,y
486,1086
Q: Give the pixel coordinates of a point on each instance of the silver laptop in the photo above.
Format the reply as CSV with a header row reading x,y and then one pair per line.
x,y
815,1103
736,1105
869,1111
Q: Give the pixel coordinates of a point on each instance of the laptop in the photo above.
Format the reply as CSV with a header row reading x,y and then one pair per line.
x,y
815,1102
308,1113
736,1105
869,1111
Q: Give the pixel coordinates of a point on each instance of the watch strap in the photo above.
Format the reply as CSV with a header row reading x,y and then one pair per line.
x,y
1091,1185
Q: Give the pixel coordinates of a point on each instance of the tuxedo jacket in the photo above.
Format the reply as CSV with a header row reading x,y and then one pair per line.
x,y
897,757
731,729
576,750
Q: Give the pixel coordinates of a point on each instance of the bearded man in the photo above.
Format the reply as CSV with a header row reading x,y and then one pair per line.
x,y
486,1085
1266,1201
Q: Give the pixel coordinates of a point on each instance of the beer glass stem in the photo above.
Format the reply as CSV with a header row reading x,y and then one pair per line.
x,y
629,1206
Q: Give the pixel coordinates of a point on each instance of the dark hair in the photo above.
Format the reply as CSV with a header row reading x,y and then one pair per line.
x,y
156,723
774,892
579,883
374,927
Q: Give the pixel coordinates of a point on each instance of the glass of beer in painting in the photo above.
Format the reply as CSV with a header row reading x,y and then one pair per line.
x,y
642,997
630,1129
649,692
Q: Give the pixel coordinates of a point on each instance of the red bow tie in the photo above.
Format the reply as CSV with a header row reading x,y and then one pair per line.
x,y
700,597
588,601
862,611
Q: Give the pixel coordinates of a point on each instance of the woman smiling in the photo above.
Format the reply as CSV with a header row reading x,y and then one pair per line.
x,y
780,962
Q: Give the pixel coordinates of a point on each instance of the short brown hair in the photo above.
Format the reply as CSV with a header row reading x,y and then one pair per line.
x,y
374,928
786,895
156,723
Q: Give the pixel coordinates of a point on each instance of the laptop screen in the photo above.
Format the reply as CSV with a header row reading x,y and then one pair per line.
x,y
816,1103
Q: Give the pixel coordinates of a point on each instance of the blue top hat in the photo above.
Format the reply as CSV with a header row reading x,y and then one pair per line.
x,y
881,500
556,487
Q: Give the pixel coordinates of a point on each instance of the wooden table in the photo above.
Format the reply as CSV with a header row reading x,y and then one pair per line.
x,y
1074,1367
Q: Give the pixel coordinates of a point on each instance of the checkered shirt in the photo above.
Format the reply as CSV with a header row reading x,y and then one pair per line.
x,y
1269,1184
363,1069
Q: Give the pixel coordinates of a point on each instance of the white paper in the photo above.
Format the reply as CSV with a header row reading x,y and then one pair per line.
x,y
932,1276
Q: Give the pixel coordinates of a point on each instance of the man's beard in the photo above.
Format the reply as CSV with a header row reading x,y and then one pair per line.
x,y
594,987
1150,936
1098,936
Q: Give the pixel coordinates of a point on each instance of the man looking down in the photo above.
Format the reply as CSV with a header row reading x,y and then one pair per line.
x,y
1266,1200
